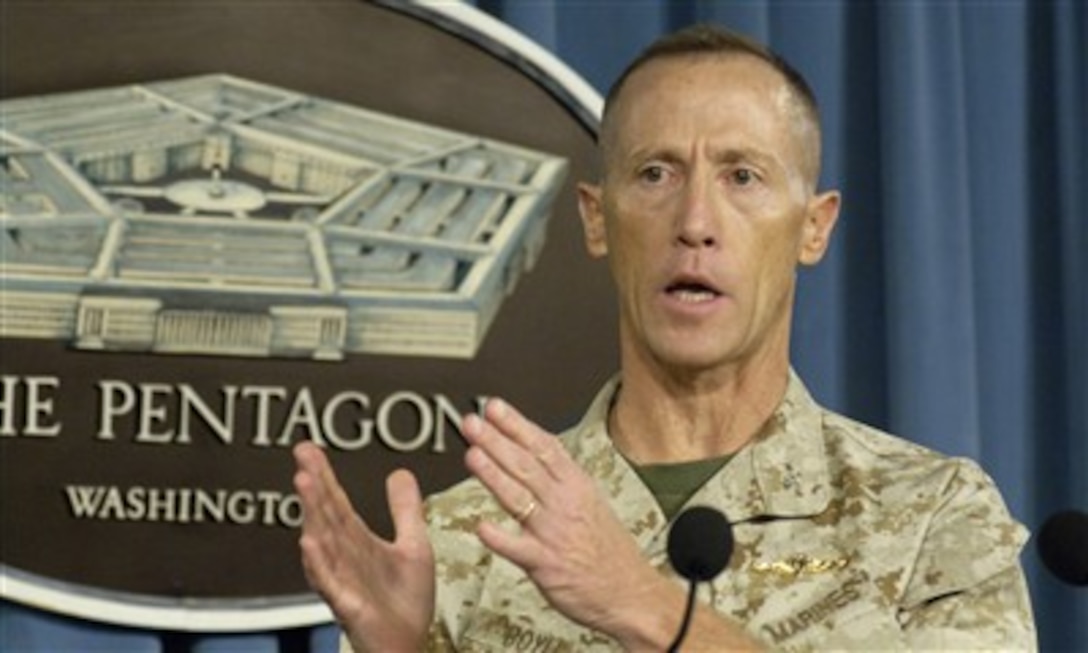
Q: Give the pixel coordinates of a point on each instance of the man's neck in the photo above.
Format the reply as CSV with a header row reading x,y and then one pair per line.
x,y
664,417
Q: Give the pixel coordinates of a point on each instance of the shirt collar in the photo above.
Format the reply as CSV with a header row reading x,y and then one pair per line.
x,y
782,472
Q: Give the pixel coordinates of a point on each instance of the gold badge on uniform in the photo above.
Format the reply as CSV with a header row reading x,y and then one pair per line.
x,y
797,565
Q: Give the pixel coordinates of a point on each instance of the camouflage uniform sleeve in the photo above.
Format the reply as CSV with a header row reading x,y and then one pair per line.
x,y
461,560
967,589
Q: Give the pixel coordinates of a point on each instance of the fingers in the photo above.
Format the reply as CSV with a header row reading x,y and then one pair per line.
x,y
511,494
325,504
323,516
523,552
543,446
406,506
382,593
531,456
522,465
318,564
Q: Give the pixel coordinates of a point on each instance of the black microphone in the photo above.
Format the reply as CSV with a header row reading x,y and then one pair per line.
x,y
700,543
1063,546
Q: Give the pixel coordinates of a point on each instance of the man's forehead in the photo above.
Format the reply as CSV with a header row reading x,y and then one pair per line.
x,y
679,82
669,80
740,76
723,69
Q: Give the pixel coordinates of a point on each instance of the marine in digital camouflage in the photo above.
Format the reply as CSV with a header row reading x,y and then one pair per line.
x,y
846,538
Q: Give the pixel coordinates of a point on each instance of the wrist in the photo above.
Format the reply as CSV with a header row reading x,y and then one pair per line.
x,y
654,619
649,620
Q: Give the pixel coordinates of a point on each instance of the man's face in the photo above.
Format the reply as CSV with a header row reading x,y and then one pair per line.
x,y
705,210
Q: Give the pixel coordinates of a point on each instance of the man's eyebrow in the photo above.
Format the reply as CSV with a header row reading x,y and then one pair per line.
x,y
741,154
655,153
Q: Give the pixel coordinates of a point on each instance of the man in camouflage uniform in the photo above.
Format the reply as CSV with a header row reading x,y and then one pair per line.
x,y
846,538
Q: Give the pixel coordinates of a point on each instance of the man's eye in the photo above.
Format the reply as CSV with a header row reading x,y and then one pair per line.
x,y
652,174
743,176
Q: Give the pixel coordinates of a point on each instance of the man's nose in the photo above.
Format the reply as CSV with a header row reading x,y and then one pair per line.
x,y
697,224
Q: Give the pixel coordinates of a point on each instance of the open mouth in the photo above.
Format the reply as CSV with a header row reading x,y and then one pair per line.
x,y
692,292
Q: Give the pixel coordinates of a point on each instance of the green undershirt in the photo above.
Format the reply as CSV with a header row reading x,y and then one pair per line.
x,y
672,484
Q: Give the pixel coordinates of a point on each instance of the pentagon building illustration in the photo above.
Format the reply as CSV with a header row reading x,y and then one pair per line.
x,y
218,215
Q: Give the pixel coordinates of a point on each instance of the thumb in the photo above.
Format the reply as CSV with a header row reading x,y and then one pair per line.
x,y
406,506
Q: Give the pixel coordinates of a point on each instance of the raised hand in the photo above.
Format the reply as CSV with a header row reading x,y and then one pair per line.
x,y
571,544
381,592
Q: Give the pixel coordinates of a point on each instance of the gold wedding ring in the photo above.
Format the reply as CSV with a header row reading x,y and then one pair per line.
x,y
526,512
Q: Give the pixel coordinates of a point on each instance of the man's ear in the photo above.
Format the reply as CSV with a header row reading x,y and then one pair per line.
x,y
591,208
820,219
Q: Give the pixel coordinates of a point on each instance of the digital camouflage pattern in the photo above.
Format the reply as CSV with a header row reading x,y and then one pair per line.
x,y
846,538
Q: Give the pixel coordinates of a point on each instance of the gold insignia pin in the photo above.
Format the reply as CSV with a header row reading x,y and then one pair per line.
x,y
801,564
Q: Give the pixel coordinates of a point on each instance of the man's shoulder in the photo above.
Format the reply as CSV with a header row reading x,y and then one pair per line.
x,y
854,437
893,465
848,446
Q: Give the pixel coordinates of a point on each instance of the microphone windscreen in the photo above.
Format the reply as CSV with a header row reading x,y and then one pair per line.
x,y
700,543
1063,546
